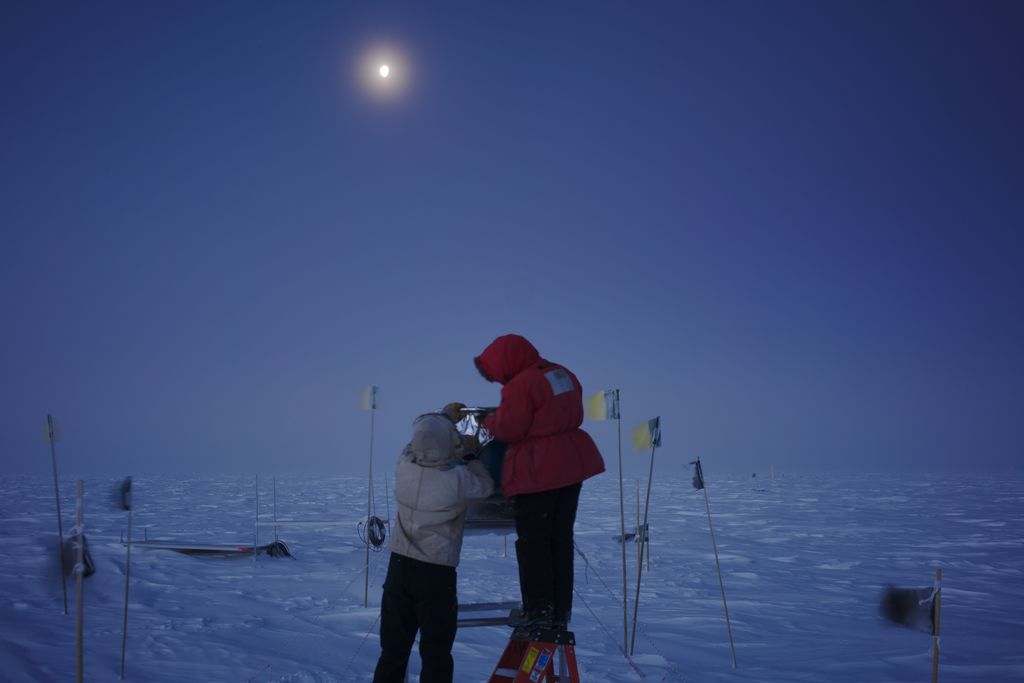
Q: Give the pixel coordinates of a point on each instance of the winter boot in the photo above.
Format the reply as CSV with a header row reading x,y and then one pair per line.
x,y
534,620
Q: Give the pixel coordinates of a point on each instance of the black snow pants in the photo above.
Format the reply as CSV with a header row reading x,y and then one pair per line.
x,y
544,550
418,596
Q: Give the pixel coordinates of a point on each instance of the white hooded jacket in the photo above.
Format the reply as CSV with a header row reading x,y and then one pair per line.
x,y
432,487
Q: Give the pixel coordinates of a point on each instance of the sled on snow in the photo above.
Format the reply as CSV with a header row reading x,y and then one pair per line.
x,y
272,549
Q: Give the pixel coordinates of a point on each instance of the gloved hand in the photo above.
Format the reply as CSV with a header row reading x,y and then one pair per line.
x,y
453,411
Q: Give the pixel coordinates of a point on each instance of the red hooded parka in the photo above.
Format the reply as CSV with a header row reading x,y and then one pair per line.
x,y
539,419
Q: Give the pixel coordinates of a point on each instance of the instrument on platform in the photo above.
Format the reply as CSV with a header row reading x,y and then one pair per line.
x,y
494,514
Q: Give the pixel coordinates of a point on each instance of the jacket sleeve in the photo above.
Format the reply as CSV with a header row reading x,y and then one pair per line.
x,y
512,420
474,481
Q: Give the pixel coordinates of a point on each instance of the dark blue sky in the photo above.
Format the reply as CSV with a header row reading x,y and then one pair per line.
x,y
791,229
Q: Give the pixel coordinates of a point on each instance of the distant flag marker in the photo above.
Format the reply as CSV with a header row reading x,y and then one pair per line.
x,y
699,485
52,432
698,475
910,607
604,405
368,399
125,501
919,609
647,435
369,403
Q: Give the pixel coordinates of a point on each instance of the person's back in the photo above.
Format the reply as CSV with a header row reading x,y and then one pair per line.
x,y
432,487
539,418
548,458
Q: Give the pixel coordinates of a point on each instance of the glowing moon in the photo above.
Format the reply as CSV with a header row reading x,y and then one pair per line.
x,y
384,70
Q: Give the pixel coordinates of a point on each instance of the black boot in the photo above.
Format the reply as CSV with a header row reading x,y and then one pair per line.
x,y
533,620
560,621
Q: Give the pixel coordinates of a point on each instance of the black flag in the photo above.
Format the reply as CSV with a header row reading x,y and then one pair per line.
x,y
698,475
126,494
910,607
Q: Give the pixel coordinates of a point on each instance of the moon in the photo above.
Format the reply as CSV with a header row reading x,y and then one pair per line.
x,y
384,70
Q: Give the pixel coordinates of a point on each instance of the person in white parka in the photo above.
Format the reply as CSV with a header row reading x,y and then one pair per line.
x,y
436,476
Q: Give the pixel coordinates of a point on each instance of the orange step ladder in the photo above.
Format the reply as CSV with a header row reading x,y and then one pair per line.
x,y
531,658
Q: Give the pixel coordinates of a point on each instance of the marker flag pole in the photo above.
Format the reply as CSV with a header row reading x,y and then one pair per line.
x,y
369,403
936,623
647,435
52,435
256,523
698,483
604,405
636,536
79,576
126,504
622,523
920,609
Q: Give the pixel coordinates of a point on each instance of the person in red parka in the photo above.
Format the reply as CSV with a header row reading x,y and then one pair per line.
x,y
547,459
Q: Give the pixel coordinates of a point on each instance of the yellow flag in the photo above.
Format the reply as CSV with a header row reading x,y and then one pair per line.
x,y
647,434
604,405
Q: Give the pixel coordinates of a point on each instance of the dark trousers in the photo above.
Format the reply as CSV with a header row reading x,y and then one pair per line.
x,y
418,596
544,523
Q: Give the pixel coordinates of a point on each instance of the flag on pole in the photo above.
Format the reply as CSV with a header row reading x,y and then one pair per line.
x,y
125,494
698,475
910,607
604,405
368,401
647,435
51,430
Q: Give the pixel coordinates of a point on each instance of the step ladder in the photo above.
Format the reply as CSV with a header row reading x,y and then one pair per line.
x,y
531,658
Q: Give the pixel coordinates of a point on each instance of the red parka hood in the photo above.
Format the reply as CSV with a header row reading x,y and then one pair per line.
x,y
506,357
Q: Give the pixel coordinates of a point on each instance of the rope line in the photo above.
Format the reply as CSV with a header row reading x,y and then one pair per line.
x,y
352,659
358,575
608,633
643,631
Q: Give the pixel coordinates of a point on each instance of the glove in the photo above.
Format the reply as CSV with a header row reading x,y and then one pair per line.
x,y
453,411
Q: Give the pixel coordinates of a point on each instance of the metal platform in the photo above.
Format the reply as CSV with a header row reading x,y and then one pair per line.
x,y
511,609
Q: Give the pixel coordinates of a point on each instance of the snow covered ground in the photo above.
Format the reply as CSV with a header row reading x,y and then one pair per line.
x,y
804,559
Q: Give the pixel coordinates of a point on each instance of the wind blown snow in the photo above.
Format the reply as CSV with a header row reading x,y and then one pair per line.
x,y
804,559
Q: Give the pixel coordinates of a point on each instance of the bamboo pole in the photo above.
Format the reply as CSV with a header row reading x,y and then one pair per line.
x,y
79,577
369,510
127,578
51,433
637,539
936,624
256,525
275,509
718,567
643,541
622,527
